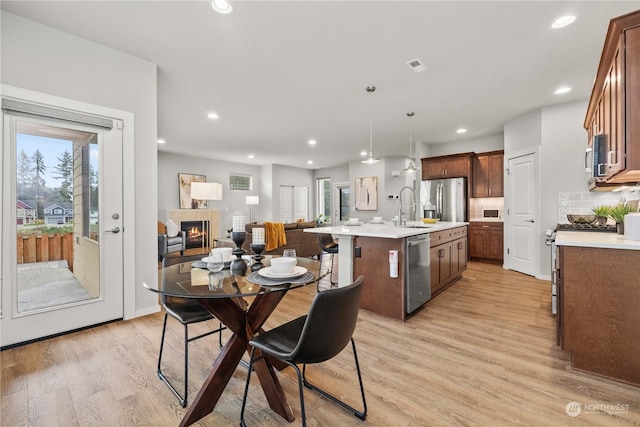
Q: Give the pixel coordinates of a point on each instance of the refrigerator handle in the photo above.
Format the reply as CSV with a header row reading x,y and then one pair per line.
x,y
439,201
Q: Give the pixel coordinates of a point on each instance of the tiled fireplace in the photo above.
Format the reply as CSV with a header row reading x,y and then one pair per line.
x,y
195,233
196,216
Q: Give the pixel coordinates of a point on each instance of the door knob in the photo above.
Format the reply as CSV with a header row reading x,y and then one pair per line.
x,y
530,220
114,230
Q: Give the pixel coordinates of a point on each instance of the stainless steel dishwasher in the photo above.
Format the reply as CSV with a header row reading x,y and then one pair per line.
x,y
418,271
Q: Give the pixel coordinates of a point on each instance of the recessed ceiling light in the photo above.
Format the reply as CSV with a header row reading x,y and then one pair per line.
x,y
562,90
363,153
161,141
461,130
309,162
213,116
563,21
251,156
221,6
312,142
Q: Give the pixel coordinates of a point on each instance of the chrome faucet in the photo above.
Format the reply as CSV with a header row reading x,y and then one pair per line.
x,y
401,221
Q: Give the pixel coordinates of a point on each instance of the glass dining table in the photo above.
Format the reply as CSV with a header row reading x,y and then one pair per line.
x,y
225,295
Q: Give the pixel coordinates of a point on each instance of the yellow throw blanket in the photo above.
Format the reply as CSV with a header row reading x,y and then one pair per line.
x,y
274,235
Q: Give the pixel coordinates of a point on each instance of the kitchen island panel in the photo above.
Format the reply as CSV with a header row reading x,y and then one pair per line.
x,y
381,293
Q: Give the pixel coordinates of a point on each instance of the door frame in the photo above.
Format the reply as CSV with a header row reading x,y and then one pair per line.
x,y
335,200
535,152
128,196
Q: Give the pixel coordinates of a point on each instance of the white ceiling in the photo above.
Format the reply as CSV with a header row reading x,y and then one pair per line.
x,y
281,73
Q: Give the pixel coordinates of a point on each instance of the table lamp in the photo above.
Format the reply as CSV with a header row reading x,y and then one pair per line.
x,y
206,191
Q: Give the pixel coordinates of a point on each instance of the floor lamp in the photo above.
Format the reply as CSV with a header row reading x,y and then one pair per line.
x,y
252,201
206,191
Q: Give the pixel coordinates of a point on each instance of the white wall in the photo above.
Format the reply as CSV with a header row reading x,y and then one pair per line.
x,y
558,134
43,59
232,203
477,145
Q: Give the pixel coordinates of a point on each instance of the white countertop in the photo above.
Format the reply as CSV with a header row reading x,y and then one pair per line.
x,y
386,231
486,220
594,239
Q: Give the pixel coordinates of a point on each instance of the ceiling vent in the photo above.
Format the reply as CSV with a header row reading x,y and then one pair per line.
x,y
416,65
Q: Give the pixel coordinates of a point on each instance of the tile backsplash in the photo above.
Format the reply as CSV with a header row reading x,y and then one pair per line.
x,y
476,206
582,203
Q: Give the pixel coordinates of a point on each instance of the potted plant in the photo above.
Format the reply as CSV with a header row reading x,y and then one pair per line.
x,y
602,214
617,214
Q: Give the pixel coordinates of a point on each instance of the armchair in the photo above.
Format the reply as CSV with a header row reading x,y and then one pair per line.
x,y
167,245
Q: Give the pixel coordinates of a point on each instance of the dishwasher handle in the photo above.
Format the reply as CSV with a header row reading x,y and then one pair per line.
x,y
417,241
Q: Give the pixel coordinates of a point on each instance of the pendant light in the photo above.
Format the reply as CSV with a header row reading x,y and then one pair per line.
x,y
411,168
371,159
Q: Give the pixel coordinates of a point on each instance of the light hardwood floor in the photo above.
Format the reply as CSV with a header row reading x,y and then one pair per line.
x,y
482,353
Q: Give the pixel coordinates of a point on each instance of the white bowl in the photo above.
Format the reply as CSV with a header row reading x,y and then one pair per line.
x,y
353,220
283,265
377,218
226,253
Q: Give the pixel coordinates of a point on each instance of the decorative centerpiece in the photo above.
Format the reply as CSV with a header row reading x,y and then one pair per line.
x,y
321,219
238,266
257,246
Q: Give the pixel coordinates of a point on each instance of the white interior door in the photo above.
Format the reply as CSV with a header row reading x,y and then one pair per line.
x,y
62,222
301,203
286,203
522,207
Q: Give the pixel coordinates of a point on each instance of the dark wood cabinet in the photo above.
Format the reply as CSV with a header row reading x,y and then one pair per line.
x,y
488,175
448,257
453,166
598,312
486,240
614,107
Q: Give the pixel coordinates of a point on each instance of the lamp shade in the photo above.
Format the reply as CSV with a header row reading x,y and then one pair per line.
x,y
252,200
206,191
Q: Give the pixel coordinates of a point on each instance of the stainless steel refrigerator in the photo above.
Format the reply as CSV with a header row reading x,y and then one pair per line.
x,y
445,199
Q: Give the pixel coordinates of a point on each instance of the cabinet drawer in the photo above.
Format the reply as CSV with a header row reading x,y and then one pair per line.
x,y
444,236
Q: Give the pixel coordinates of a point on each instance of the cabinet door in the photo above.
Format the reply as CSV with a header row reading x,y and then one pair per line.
x,y
457,166
495,244
612,98
495,175
477,241
480,176
458,256
432,168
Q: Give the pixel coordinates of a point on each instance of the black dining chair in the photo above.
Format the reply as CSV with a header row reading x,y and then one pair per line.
x,y
314,338
328,245
186,311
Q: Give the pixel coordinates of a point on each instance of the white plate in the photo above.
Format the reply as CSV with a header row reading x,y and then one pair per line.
x,y
269,274
376,222
357,223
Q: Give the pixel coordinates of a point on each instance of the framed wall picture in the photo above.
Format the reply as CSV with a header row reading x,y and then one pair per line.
x,y
366,190
184,186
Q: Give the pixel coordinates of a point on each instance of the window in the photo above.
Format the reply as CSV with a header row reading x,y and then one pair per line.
x,y
240,182
324,197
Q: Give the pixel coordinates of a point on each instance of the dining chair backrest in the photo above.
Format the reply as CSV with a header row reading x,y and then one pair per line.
x,y
330,324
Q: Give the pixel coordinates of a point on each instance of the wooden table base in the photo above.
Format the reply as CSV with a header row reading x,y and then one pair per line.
x,y
243,324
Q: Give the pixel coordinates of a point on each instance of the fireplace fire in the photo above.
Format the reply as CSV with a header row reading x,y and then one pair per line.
x,y
195,233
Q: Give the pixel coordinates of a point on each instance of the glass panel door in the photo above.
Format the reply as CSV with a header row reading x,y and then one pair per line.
x,y
62,227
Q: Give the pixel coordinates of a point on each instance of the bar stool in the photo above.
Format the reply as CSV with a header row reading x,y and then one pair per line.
x,y
328,245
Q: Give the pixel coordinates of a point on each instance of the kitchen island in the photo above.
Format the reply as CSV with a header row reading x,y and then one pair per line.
x,y
599,303
364,249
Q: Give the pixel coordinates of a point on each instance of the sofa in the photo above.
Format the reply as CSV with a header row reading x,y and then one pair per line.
x,y
305,244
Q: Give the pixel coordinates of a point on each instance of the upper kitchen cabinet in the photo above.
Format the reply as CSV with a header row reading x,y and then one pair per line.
x,y
453,166
488,175
613,114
